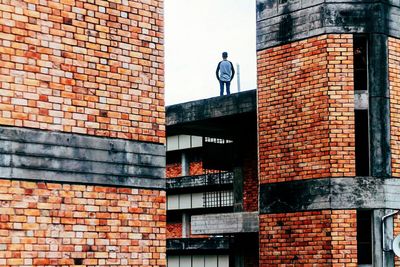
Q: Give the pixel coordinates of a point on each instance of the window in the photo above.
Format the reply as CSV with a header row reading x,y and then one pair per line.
x,y
364,237
360,63
361,112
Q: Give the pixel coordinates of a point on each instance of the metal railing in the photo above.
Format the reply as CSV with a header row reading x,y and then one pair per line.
x,y
203,180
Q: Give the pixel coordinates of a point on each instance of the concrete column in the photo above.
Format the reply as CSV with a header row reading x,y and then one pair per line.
x,y
185,164
185,225
239,261
185,217
238,189
379,109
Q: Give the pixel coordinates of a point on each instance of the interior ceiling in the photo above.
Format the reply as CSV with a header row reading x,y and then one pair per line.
x,y
223,127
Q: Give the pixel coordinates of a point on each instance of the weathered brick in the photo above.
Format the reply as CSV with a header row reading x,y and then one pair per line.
x,y
78,57
306,110
70,230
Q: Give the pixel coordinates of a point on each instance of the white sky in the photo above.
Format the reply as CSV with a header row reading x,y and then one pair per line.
x,y
196,33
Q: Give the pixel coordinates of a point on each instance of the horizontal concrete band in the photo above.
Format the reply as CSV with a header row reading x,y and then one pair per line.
x,y
280,21
210,108
330,193
63,157
225,223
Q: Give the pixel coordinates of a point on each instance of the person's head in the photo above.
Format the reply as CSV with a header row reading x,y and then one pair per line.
x,y
224,55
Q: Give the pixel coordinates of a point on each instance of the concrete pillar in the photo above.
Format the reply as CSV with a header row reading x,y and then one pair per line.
x,y
380,153
185,164
185,217
238,189
379,109
185,225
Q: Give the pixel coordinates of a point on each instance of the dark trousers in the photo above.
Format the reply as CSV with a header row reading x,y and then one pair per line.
x,y
221,87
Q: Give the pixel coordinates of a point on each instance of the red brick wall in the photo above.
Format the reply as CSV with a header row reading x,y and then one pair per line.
x,y
344,237
250,182
306,131
196,168
83,67
174,170
53,224
174,230
320,238
306,109
394,83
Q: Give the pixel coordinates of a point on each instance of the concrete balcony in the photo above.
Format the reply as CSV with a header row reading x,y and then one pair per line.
x,y
225,223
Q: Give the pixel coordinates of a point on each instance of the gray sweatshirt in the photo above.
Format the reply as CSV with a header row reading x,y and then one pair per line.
x,y
225,71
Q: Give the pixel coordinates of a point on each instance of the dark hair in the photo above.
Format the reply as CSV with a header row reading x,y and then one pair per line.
x,y
224,54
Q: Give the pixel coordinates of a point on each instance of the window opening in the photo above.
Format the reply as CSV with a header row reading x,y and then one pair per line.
x,y
360,63
364,237
361,116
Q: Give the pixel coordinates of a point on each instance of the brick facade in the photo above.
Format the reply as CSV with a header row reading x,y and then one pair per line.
x,y
320,238
306,131
306,109
174,230
394,83
173,170
83,67
250,181
44,224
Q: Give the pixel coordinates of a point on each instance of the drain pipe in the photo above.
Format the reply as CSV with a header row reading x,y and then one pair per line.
x,y
383,235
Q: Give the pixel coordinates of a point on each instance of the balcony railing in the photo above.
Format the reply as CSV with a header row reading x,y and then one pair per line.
x,y
200,181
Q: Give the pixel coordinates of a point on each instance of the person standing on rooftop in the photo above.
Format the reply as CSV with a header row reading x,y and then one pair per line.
x,y
225,73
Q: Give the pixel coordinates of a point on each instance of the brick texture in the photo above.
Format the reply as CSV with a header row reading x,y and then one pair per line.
x,y
318,238
394,83
306,109
250,181
174,230
196,168
173,170
43,224
83,66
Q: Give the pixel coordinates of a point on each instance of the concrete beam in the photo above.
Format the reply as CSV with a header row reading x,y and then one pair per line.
x,y
330,193
281,21
225,223
30,154
210,108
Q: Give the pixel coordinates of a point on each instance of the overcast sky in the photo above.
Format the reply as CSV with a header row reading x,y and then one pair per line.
x,y
196,33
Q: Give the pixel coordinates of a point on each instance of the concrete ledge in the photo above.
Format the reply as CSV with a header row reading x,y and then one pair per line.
x,y
198,244
282,21
210,108
330,193
225,223
63,157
